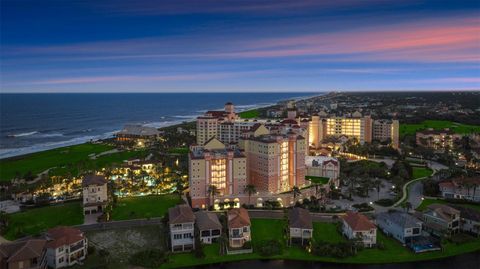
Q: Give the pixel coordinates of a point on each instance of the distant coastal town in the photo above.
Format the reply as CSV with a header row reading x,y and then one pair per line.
x,y
339,177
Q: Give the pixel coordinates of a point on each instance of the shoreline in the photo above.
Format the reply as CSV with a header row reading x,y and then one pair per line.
x,y
179,123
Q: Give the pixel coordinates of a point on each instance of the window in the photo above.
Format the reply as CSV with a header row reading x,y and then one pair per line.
x,y
177,236
60,260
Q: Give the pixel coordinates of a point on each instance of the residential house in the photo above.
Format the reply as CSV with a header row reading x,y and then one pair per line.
x,y
95,194
358,226
238,227
28,254
441,219
401,225
208,225
300,225
182,233
469,220
66,246
461,188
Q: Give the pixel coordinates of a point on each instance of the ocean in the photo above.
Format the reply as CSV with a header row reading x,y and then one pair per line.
x,y
36,122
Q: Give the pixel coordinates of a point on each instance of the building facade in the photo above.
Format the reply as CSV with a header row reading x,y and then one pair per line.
x,y
441,219
215,164
182,229
402,226
95,194
461,188
357,226
386,131
276,163
436,139
238,227
209,227
300,225
66,246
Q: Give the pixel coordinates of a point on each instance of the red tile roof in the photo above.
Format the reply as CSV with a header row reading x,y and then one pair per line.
x,y
238,218
62,235
358,222
22,250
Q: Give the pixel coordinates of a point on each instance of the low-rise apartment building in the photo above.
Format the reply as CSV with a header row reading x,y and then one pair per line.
x,y
437,139
182,229
461,188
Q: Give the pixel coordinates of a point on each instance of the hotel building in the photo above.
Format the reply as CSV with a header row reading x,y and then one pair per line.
x,y
363,128
218,165
276,162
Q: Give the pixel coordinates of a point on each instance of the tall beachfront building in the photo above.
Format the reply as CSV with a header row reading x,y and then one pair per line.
x,y
218,165
275,161
363,128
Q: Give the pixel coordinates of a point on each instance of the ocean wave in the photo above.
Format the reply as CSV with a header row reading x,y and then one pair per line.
x,y
22,134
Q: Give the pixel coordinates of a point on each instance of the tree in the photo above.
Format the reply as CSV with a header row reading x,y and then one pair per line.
x,y
179,186
295,191
408,206
250,189
212,191
378,185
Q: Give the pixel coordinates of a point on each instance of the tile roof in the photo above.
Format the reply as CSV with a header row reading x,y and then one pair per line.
x,y
207,220
94,180
181,214
22,250
358,221
299,218
468,213
442,211
402,219
60,236
238,218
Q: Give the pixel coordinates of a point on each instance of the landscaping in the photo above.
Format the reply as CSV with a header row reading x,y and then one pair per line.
x,y
41,161
419,172
36,220
317,180
411,129
180,150
144,206
427,202
249,114
264,230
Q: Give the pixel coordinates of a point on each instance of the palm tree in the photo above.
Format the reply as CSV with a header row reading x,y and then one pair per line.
x,y
378,185
250,189
179,186
408,206
212,191
295,191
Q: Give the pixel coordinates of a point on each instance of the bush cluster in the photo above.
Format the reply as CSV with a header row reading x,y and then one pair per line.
x,y
269,247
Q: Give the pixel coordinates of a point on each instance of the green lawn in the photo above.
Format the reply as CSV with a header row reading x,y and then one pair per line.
x,y
144,206
317,180
267,229
419,172
34,221
249,114
428,202
411,129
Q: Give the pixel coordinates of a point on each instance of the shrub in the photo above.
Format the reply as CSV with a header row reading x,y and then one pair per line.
x,y
339,250
384,202
91,250
269,247
150,258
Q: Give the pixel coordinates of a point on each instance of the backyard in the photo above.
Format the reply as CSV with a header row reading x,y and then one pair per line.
x,y
419,172
411,129
273,229
427,202
36,220
144,206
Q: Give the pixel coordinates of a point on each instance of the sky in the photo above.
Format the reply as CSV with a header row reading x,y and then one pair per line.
x,y
238,45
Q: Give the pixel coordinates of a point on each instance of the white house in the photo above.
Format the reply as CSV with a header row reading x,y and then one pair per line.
x,y
358,226
182,233
208,225
95,194
300,225
65,246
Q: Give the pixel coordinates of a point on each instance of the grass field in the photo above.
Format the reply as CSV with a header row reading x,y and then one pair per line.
x,y
41,161
266,229
317,180
419,172
183,150
428,202
249,114
34,221
144,206
411,129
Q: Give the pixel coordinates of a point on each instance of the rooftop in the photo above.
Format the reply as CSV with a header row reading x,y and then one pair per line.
x,y
299,218
91,179
63,235
181,214
207,220
238,218
402,219
22,250
358,221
